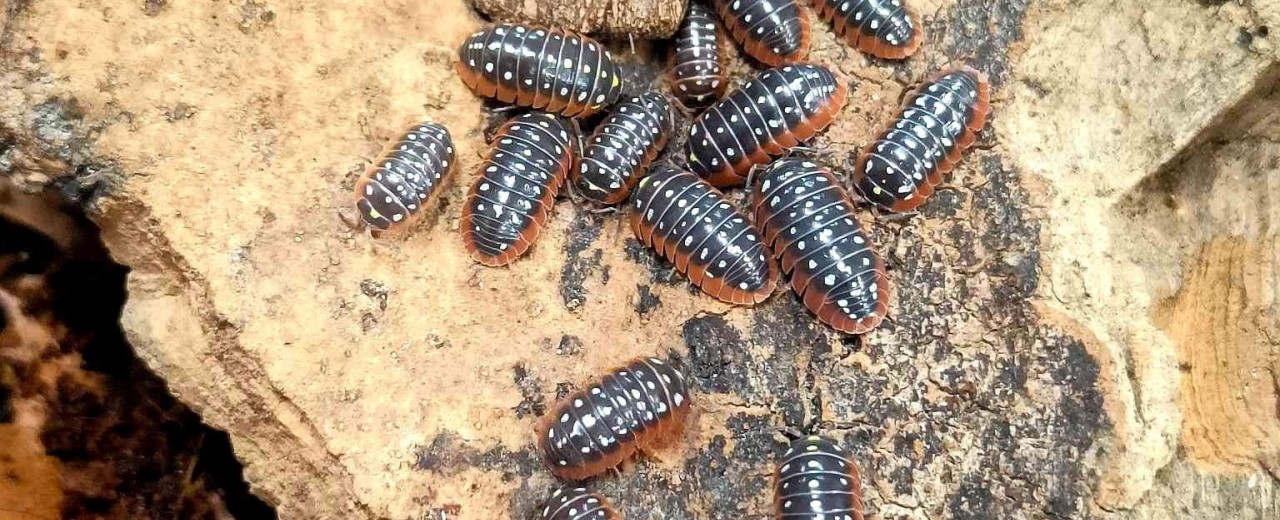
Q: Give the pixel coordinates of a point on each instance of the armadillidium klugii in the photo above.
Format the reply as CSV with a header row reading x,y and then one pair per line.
x,y
809,222
773,32
597,428
697,65
690,223
774,111
816,480
577,504
882,28
547,69
510,200
405,178
899,171
618,153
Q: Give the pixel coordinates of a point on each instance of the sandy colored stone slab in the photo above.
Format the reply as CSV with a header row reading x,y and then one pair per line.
x,y
1029,369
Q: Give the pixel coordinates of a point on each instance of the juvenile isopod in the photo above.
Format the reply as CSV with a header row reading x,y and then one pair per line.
x,y
405,179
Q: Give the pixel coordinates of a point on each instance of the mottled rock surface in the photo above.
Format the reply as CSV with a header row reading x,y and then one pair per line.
x,y
1084,319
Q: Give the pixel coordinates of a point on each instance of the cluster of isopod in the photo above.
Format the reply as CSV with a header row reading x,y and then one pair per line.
x,y
801,222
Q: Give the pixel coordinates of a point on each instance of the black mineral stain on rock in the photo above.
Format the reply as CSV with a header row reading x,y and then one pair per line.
x,y
450,454
532,401
579,266
376,291
982,30
952,276
659,270
715,481
646,301
716,355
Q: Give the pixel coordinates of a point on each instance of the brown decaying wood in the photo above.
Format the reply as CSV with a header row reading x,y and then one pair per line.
x,y
648,19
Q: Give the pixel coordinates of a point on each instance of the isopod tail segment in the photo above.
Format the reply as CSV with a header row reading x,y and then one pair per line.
x,y
773,32
404,180
886,29
640,406
816,478
692,225
809,222
926,140
767,115
512,196
577,503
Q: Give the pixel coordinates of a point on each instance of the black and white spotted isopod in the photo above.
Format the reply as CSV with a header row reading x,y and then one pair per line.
x,y
638,406
577,504
547,69
511,198
882,28
618,153
768,114
809,222
899,171
697,65
690,223
816,480
773,32
405,178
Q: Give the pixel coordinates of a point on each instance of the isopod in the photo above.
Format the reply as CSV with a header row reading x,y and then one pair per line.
x,y
697,65
636,406
405,178
816,480
770,113
511,199
882,28
773,32
808,221
899,171
621,148
690,223
546,69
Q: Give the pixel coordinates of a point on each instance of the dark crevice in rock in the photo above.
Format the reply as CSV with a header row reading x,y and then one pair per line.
x,y
126,447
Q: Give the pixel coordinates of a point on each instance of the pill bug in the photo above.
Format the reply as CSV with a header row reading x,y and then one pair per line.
x,y
773,32
690,223
621,148
578,504
511,198
697,65
816,479
883,28
771,112
899,171
405,178
808,221
636,406
547,69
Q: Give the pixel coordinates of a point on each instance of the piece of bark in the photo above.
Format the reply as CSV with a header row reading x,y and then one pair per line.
x,y
651,19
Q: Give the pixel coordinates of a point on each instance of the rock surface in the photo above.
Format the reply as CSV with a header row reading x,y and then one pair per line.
x,y
1084,322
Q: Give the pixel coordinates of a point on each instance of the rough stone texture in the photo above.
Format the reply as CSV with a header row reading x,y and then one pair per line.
x,y
1083,323
616,18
